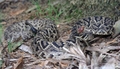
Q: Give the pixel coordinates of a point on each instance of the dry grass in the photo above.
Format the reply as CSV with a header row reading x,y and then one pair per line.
x,y
66,10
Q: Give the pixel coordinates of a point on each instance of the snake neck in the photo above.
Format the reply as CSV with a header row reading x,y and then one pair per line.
x,y
34,30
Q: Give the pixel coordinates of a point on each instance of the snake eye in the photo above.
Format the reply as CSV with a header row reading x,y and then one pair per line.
x,y
51,56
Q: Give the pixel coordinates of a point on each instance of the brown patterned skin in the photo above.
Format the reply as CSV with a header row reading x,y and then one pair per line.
x,y
45,45
22,30
44,32
96,25
44,49
85,29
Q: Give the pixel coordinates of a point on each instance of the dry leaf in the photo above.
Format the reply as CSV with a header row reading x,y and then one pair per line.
x,y
19,64
17,12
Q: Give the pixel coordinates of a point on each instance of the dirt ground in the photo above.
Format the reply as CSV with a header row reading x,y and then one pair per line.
x,y
15,12
19,59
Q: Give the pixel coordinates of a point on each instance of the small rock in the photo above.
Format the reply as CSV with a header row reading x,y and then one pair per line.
x,y
26,48
116,29
1,1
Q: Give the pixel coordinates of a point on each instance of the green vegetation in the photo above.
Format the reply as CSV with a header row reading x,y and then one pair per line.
x,y
1,16
38,7
1,62
68,10
1,27
1,32
13,46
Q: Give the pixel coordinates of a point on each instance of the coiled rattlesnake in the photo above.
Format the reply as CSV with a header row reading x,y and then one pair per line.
x,y
44,44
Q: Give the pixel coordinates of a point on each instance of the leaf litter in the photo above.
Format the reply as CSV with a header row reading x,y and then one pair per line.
x,y
104,53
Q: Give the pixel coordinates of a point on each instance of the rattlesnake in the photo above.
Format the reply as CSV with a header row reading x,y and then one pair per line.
x,y
22,30
45,33
97,25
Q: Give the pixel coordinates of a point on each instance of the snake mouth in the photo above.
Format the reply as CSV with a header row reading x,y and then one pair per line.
x,y
80,29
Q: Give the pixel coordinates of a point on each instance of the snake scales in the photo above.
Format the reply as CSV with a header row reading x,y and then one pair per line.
x,y
45,33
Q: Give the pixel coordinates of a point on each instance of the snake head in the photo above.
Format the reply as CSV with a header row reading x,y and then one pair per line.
x,y
84,34
80,29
